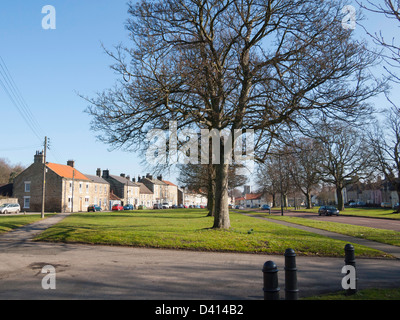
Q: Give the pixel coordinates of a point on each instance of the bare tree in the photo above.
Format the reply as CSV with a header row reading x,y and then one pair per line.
x,y
232,64
345,155
386,148
304,165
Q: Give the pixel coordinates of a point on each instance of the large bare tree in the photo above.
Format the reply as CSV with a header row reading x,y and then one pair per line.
x,y
232,64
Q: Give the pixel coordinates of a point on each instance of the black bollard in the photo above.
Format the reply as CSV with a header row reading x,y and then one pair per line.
x,y
350,260
291,289
271,285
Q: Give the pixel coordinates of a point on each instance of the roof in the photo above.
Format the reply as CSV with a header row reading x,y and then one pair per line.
x,y
169,183
253,196
124,181
153,181
113,196
96,179
144,189
66,171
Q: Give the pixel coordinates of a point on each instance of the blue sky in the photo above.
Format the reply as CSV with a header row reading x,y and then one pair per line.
x,y
50,67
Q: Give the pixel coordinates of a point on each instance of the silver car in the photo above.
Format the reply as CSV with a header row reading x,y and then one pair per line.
x,y
10,208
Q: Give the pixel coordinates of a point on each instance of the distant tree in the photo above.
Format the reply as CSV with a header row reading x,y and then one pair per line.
x,y
385,142
304,165
8,171
345,155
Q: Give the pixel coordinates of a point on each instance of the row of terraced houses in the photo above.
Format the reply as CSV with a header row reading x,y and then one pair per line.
x,y
69,190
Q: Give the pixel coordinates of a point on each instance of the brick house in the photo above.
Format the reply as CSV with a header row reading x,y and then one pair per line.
x,y
67,189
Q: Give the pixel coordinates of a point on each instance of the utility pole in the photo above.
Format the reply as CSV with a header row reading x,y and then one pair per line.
x,y
44,177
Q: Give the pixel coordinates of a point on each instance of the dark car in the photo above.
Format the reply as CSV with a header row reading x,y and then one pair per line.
x,y
128,207
117,207
265,207
328,211
93,208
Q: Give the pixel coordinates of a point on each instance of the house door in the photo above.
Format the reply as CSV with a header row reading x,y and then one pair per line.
x,y
80,204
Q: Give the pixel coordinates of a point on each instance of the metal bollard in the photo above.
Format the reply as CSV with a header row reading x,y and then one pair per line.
x,y
271,285
350,260
291,288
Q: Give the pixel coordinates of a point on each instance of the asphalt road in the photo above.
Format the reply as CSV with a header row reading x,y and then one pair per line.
x,y
105,272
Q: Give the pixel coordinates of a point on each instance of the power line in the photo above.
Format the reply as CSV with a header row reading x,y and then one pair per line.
x,y
14,94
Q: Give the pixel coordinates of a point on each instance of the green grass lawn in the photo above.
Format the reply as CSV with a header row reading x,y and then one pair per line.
x,y
190,229
8,223
380,235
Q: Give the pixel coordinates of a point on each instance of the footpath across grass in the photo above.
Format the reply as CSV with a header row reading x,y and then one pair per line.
x,y
379,235
190,229
9,223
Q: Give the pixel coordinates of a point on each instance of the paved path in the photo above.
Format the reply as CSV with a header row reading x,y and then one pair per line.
x,y
106,272
393,250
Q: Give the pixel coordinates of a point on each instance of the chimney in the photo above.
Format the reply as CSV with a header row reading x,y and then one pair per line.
x,y
98,172
106,174
160,177
39,157
133,179
71,163
128,177
122,175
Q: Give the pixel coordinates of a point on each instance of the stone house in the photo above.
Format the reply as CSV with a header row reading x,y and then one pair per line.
x,y
172,192
157,187
67,189
146,196
125,189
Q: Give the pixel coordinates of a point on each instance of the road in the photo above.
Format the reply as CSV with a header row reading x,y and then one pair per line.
x,y
106,272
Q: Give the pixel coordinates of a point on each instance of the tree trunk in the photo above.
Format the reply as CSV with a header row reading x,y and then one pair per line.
x,y
339,196
221,216
211,190
308,200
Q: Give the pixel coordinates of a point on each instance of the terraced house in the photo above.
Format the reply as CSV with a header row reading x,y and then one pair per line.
x,y
67,189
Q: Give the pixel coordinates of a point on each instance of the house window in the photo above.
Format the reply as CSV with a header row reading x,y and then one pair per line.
x,y
86,201
27,186
27,202
80,187
95,188
69,202
87,188
70,187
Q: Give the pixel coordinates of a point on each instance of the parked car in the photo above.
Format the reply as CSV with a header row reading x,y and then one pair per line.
x,y
141,207
181,206
328,211
265,207
165,205
396,206
386,205
10,208
129,207
157,206
174,206
93,208
117,207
